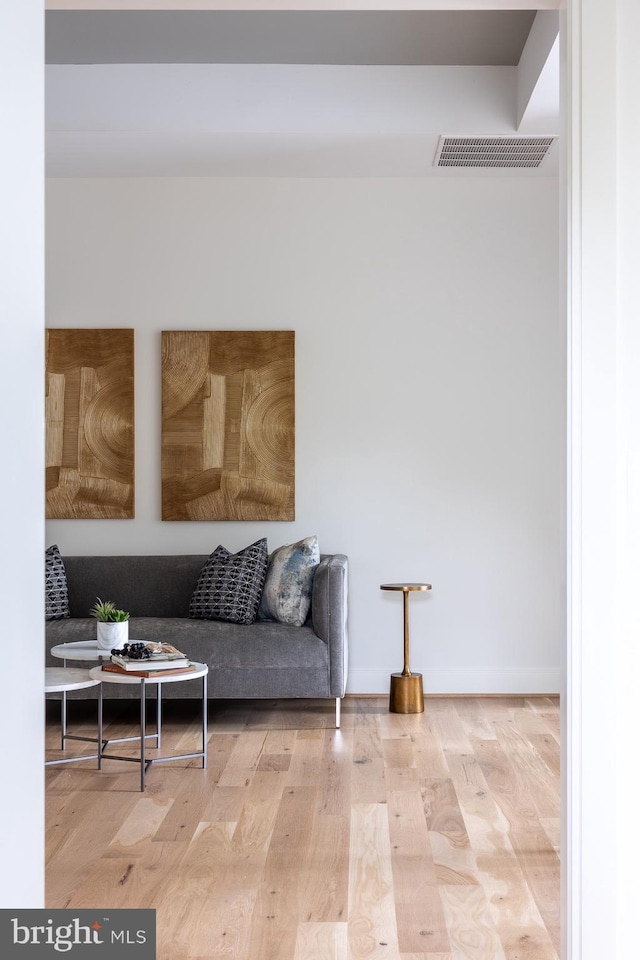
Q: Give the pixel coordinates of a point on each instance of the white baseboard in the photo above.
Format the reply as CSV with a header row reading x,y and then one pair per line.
x,y
478,680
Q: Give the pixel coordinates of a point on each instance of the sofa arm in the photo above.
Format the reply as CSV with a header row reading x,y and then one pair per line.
x,y
329,616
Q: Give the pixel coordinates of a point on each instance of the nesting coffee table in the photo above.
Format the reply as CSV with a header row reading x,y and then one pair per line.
x,y
200,672
80,650
88,650
60,680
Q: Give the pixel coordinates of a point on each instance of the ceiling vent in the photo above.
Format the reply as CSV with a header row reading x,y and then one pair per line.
x,y
489,152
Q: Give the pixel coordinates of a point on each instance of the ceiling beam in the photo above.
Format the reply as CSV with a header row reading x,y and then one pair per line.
x,y
538,98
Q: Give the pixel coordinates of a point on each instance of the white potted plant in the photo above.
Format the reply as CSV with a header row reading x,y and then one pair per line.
x,y
112,624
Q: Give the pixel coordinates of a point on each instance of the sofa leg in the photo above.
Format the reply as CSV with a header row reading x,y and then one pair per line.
x,y
337,712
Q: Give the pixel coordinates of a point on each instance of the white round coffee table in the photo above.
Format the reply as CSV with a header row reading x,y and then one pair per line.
x,y
80,650
58,679
61,680
88,650
200,671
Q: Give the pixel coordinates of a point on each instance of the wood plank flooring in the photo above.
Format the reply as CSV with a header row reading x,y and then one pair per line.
x,y
420,837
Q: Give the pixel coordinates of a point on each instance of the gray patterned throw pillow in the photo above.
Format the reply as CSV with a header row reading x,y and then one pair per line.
x,y
230,584
56,591
286,596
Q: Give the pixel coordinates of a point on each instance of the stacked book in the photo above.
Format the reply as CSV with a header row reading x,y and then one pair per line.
x,y
145,659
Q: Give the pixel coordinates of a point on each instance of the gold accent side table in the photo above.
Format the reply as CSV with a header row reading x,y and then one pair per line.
x,y
406,695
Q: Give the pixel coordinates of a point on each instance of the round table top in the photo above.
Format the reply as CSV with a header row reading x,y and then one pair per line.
x,y
80,650
158,675
60,679
405,587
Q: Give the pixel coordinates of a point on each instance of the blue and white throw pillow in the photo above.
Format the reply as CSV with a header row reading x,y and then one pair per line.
x,y
56,590
286,595
230,584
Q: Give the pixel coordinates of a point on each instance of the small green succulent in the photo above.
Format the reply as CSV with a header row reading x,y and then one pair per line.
x,y
107,612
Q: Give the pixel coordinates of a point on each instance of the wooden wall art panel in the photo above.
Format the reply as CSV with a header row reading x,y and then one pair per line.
x,y
89,424
228,425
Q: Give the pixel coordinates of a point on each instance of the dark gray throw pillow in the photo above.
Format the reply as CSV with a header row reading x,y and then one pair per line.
x,y
56,591
230,585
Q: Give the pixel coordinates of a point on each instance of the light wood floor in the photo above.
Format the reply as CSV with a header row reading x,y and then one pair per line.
x,y
425,837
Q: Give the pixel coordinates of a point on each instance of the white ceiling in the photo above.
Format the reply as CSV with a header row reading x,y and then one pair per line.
x,y
291,94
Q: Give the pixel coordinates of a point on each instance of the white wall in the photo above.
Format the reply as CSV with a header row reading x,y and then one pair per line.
x,y
602,839
430,396
22,445
268,120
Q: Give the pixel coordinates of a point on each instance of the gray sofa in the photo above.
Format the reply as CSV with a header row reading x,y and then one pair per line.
x,y
260,660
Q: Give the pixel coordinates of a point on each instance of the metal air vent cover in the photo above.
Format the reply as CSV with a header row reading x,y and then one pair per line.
x,y
491,152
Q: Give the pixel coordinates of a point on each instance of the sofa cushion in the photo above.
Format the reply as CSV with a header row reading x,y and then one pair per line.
x,y
270,660
56,591
157,586
230,584
286,595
